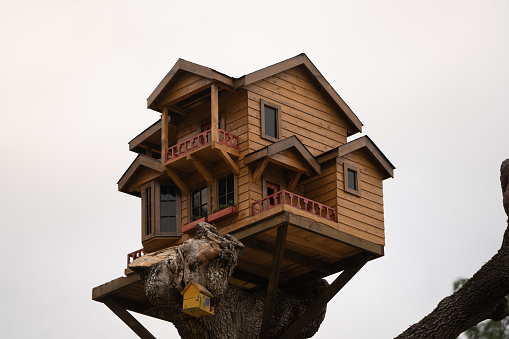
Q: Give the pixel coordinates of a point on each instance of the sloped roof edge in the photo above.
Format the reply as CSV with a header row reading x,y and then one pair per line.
x,y
298,60
301,59
184,65
282,145
139,161
354,145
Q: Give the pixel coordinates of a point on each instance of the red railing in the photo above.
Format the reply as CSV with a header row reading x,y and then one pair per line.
x,y
134,255
198,141
284,197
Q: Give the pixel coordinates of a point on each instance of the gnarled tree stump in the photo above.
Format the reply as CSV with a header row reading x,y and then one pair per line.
x,y
210,259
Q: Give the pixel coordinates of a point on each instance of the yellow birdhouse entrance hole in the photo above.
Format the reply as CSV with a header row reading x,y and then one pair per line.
x,y
197,300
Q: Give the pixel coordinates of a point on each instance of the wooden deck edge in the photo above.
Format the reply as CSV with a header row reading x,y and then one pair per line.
x,y
108,288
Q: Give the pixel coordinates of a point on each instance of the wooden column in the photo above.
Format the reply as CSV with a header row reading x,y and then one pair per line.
x,y
127,318
320,302
214,113
164,134
270,299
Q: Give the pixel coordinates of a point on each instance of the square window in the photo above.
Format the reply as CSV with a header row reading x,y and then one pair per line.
x,y
270,115
351,179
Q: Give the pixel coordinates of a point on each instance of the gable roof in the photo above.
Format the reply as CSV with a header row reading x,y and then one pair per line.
x,y
229,82
199,287
140,163
280,146
363,142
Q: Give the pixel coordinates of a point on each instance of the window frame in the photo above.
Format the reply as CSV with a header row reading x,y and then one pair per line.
x,y
178,209
348,167
155,212
235,188
190,201
278,127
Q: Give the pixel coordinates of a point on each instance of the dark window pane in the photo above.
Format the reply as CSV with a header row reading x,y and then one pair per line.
x,y
222,187
196,199
164,193
230,184
165,209
196,211
172,227
204,195
222,200
165,224
230,198
204,211
352,182
270,122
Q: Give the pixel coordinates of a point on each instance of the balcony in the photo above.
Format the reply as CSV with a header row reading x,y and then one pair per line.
x,y
134,255
288,198
200,141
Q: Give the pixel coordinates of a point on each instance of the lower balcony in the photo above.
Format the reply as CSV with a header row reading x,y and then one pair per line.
x,y
288,198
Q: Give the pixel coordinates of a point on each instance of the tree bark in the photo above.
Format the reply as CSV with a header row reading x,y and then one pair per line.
x,y
210,259
482,297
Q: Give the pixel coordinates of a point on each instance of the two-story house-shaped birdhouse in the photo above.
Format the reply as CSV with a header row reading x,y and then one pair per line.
x,y
250,155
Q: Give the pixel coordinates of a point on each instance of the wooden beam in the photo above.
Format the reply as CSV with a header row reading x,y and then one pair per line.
x,y
270,299
320,302
127,318
259,170
197,163
178,110
295,257
229,161
164,134
294,181
176,179
214,113
249,277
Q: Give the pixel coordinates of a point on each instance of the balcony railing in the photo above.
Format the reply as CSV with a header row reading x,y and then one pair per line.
x,y
134,255
288,198
199,141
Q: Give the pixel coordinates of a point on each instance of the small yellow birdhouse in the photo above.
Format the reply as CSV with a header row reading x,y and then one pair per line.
x,y
197,300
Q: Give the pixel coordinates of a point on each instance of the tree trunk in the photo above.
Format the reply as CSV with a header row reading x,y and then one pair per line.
x,y
209,259
482,297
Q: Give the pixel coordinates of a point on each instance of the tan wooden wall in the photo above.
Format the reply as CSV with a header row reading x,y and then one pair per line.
x,y
306,112
361,216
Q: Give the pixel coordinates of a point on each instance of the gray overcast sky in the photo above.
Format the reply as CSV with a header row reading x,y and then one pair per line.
x,y
429,80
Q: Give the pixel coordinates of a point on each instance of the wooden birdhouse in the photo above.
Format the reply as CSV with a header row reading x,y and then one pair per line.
x,y
270,158
197,300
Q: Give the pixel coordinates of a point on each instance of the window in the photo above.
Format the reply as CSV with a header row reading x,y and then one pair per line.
x,y
168,209
226,191
160,210
148,207
199,201
351,179
270,120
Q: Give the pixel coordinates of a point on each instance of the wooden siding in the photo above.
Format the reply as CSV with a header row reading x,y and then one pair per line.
x,y
361,216
306,112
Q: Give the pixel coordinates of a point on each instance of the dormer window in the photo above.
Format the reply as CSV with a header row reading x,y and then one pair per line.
x,y
270,120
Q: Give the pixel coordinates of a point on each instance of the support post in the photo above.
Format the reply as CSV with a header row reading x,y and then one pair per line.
x,y
127,318
214,113
200,166
294,181
164,134
313,309
270,299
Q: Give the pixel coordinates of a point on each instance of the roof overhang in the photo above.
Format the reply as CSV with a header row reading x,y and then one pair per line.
x,y
231,83
367,144
141,170
272,151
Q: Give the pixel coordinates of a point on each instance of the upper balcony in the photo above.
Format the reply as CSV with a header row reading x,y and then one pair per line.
x,y
202,145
